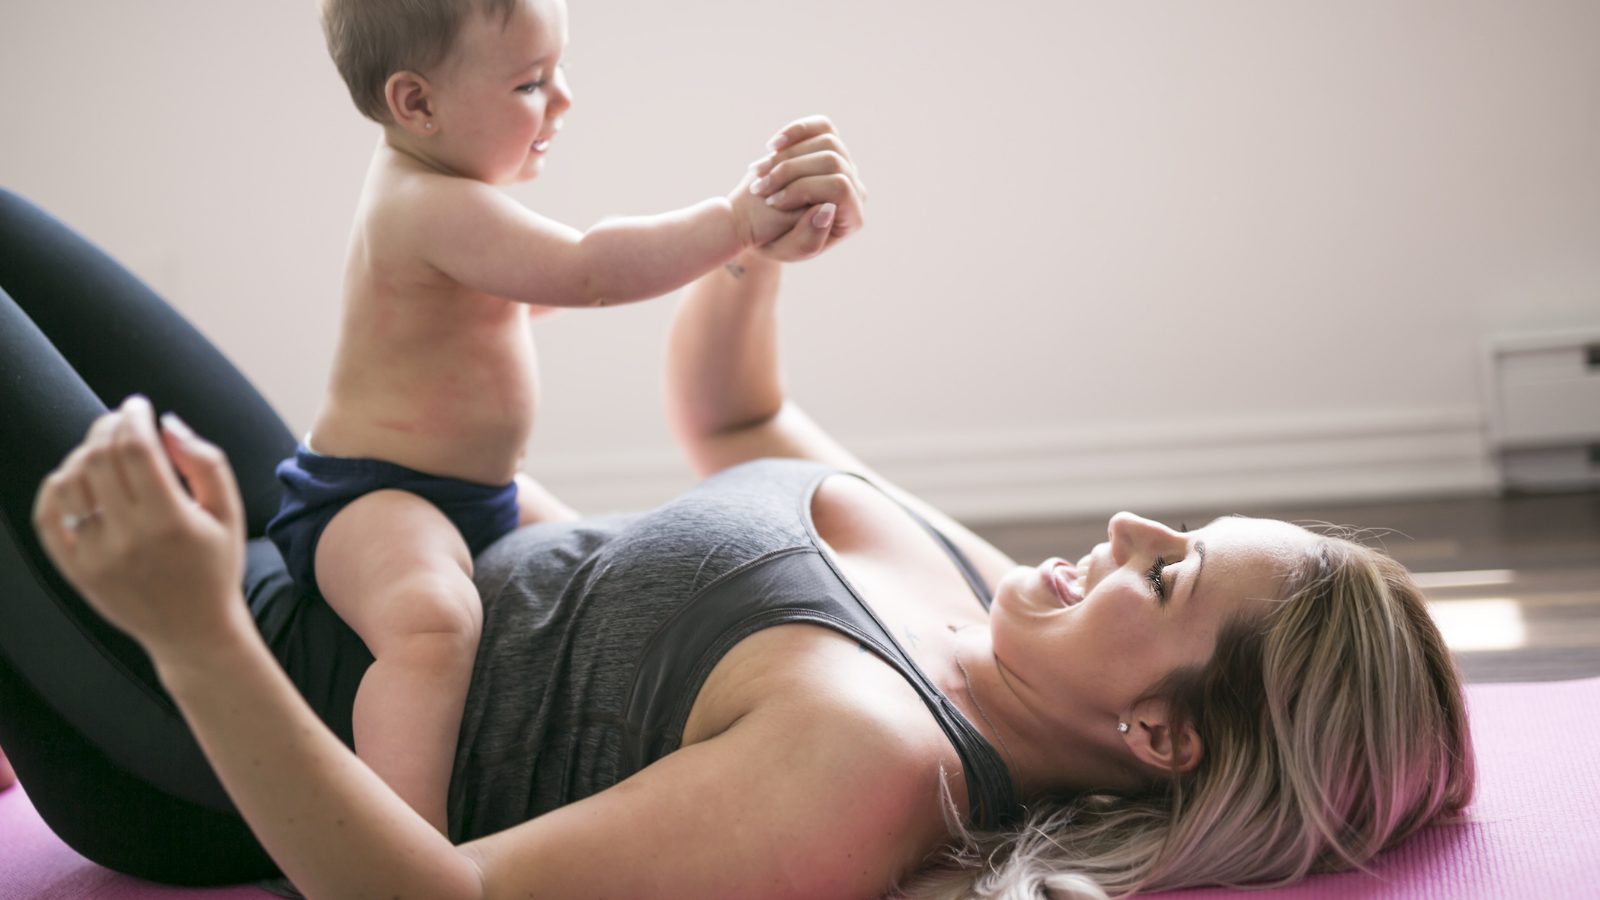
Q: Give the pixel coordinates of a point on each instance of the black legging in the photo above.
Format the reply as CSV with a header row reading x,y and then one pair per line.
x,y
106,758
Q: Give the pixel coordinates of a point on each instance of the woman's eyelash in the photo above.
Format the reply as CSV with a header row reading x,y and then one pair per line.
x,y
1155,578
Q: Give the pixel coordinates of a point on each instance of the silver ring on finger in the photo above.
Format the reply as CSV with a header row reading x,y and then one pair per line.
x,y
74,521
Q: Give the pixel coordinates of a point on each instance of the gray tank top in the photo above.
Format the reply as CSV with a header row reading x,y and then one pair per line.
x,y
598,634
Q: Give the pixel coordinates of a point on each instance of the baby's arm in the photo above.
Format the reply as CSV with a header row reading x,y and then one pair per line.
x,y
489,242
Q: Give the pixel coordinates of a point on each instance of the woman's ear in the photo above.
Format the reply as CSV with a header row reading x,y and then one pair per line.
x,y
411,103
1158,745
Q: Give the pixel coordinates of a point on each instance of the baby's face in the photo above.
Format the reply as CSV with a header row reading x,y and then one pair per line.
x,y
500,94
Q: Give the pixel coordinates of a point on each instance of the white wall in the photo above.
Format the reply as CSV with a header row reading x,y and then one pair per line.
x,y
1146,254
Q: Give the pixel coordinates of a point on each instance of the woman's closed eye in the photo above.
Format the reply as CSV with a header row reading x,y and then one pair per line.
x,y
1156,582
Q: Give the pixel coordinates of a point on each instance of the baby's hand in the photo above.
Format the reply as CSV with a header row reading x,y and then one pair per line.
x,y
810,170
759,220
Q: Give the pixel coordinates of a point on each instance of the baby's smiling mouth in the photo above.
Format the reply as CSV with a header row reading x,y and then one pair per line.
x,y
541,145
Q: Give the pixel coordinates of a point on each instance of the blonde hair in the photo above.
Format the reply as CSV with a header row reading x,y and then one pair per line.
x,y
371,40
1334,728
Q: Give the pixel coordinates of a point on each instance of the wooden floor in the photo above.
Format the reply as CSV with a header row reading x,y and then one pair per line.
x,y
1514,581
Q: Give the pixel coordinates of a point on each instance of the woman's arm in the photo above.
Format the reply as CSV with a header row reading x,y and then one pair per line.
x,y
809,795
725,395
166,568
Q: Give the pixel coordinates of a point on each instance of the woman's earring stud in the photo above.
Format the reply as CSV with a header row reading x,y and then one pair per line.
x,y
1122,727
427,125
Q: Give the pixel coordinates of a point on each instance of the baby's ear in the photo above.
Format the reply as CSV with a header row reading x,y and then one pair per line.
x,y
410,99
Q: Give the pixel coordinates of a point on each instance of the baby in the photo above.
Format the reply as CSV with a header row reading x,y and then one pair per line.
x,y
411,467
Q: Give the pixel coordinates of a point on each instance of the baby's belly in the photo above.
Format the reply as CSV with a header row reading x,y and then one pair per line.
x,y
471,429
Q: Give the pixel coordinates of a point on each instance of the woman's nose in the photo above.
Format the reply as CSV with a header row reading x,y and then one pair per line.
x,y
1131,534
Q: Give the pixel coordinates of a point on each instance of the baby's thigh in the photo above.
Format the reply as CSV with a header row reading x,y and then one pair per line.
x,y
391,565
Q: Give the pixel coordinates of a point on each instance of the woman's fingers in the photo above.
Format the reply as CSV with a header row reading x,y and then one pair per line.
x,y
205,467
60,511
799,130
806,239
142,460
819,189
824,162
822,143
100,469
771,168
66,478
116,522
809,166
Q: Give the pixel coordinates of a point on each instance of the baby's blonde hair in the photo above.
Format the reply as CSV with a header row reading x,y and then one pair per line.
x,y
1333,728
371,40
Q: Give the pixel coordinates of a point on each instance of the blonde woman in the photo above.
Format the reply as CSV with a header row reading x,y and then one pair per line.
x,y
793,681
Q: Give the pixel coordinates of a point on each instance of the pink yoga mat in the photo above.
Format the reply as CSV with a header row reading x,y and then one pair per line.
x,y
1535,822
1534,833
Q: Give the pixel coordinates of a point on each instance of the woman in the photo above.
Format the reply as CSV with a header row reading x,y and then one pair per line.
x,y
790,681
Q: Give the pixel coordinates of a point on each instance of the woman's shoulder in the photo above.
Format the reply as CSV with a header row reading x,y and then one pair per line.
x,y
807,682
843,728
817,791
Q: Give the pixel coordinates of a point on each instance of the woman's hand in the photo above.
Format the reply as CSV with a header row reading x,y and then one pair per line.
x,y
158,562
810,167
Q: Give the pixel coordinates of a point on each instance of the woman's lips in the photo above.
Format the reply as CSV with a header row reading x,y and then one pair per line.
x,y
1063,579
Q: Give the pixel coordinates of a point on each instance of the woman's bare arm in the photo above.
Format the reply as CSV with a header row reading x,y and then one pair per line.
x,y
726,401
166,567
809,794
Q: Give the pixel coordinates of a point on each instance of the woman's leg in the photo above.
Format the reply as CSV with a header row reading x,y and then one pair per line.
x,y
122,339
113,818
108,761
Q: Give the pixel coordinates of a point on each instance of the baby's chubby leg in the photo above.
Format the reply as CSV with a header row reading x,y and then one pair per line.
x,y
399,573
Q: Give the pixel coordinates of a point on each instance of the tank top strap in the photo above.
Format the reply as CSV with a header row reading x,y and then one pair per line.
x,y
783,576
992,796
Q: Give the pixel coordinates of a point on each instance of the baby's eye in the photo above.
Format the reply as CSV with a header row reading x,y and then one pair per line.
x,y
532,86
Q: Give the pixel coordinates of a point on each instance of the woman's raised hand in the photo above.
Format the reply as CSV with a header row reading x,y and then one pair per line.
x,y
809,166
159,562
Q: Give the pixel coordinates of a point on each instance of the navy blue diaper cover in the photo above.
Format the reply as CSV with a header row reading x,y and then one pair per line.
x,y
316,488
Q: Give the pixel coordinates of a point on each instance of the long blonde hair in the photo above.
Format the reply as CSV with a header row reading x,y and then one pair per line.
x,y
1334,728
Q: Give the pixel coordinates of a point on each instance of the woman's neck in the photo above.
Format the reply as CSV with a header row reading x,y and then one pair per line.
x,y
1068,752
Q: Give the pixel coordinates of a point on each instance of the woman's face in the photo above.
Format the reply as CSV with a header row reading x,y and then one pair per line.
x,y
1091,638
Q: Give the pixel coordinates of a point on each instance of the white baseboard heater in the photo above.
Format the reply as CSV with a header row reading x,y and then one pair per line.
x,y
1542,393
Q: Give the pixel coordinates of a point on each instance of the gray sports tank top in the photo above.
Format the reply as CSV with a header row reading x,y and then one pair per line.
x,y
598,635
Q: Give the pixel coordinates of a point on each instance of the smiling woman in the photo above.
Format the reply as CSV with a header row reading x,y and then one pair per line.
x,y
795,680
1323,725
